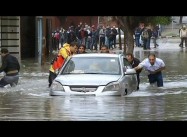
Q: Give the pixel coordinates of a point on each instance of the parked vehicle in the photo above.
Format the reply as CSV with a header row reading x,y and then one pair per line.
x,y
95,74
122,36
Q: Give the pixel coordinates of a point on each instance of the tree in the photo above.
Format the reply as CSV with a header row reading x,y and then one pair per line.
x,y
129,23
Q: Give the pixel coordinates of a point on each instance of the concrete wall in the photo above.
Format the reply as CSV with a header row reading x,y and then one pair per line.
x,y
27,32
10,34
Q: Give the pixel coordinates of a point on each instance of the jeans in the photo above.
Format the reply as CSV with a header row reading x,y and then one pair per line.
x,y
137,40
12,80
156,78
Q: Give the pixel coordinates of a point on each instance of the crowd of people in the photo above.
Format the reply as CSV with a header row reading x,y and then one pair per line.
x,y
143,35
90,36
93,37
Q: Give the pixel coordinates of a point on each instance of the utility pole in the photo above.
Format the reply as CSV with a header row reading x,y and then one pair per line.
x,y
98,22
39,38
172,23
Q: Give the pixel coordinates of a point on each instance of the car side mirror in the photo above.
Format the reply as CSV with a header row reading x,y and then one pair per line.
x,y
130,71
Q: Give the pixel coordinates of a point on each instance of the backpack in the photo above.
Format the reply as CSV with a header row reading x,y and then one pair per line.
x,y
145,34
155,33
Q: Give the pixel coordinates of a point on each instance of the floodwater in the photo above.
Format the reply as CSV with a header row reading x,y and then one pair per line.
x,y
30,100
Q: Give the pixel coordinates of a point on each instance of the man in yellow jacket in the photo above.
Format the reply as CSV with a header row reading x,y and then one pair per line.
x,y
66,51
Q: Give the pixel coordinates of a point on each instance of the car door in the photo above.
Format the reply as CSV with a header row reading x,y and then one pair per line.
x,y
129,76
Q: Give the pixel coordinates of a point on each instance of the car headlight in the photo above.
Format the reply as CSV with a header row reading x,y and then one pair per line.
x,y
56,86
112,87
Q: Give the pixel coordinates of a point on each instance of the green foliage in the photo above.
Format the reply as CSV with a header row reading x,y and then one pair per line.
x,y
133,21
163,20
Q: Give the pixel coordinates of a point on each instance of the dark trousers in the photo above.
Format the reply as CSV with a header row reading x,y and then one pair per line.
x,y
52,76
154,41
101,42
138,78
137,41
183,40
146,43
156,78
12,80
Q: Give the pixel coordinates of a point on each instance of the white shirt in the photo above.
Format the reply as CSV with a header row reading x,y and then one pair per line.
x,y
147,65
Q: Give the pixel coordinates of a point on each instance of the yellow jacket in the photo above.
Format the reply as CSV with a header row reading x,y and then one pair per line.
x,y
64,52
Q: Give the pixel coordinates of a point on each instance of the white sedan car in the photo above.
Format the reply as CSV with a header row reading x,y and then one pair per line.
x,y
117,36
95,74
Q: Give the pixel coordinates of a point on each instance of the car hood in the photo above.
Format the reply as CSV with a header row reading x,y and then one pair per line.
x,y
86,79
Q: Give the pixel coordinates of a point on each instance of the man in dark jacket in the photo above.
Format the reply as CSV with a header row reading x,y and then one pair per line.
x,y
134,62
11,67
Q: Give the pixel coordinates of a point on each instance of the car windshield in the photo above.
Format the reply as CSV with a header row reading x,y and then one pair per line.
x,y
92,65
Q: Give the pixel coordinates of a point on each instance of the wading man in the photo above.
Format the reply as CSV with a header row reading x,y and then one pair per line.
x,y
154,67
11,67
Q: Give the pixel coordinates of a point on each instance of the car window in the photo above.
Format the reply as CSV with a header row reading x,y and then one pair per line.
x,y
99,65
125,62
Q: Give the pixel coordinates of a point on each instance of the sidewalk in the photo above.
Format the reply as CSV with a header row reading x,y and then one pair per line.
x,y
172,30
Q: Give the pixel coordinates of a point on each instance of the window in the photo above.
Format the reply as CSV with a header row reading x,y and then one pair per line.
x,y
125,62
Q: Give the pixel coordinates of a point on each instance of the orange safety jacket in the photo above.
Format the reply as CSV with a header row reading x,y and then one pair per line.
x,y
59,61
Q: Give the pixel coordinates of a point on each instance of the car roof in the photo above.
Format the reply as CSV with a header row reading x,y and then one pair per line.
x,y
97,55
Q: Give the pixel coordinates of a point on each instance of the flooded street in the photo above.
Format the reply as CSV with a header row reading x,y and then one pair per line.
x,y
30,100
